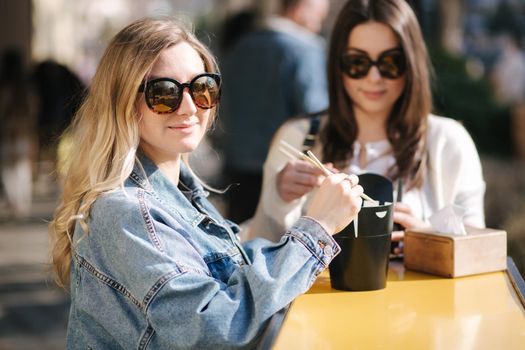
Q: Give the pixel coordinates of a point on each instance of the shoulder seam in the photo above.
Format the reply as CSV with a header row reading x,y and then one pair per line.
x,y
159,284
110,282
150,227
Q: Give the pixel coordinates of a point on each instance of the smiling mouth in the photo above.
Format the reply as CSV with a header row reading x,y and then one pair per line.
x,y
182,126
374,94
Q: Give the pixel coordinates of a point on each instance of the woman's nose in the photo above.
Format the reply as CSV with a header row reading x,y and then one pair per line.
x,y
187,106
374,74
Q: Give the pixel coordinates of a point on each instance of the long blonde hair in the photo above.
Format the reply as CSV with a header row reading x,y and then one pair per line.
x,y
105,131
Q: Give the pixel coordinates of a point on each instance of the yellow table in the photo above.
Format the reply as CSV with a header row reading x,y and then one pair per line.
x,y
414,311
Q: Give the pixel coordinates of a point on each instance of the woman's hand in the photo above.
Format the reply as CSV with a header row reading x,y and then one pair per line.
x,y
403,216
297,178
336,203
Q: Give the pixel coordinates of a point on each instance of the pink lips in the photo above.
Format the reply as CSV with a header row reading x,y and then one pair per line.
x,y
183,127
374,95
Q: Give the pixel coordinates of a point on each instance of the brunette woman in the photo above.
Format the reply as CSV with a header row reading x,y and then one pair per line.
x,y
379,120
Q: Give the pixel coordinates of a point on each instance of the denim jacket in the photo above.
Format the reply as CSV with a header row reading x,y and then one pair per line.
x,y
162,269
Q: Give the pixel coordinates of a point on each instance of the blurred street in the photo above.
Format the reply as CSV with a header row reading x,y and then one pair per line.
x,y
33,312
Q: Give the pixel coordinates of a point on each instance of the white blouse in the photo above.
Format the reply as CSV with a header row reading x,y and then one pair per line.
x,y
379,158
454,176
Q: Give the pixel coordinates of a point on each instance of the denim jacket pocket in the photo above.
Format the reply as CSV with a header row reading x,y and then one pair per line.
x,y
223,264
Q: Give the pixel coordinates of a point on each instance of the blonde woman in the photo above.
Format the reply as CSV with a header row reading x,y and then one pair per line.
x,y
149,261
379,121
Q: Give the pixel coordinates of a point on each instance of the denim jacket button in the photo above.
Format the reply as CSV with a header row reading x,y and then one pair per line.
x,y
207,221
327,250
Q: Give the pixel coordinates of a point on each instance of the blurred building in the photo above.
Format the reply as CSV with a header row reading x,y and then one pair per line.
x,y
75,33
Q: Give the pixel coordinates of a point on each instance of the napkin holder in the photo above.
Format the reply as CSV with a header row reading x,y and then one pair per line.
x,y
479,251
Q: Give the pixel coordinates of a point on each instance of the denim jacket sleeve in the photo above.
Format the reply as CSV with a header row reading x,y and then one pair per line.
x,y
183,304
194,310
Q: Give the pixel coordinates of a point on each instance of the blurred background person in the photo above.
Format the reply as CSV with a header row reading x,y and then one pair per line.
x,y
270,74
18,108
60,92
236,25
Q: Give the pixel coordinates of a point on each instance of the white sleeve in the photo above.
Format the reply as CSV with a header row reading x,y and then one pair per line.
x,y
457,162
471,186
274,215
284,213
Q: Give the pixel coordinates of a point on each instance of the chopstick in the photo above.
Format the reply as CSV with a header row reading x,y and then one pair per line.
x,y
293,153
328,173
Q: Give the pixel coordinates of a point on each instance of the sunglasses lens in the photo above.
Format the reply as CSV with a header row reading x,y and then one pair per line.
x,y
392,66
205,91
163,96
355,66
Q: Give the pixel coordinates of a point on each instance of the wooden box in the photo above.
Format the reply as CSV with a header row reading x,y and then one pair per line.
x,y
481,250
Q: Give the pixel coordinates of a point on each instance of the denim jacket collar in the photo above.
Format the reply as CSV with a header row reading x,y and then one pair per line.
x,y
150,178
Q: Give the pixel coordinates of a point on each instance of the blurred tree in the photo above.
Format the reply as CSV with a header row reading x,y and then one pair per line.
x,y
470,101
506,20
428,16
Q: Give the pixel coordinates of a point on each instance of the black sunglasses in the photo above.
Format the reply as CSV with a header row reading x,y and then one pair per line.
x,y
391,64
164,95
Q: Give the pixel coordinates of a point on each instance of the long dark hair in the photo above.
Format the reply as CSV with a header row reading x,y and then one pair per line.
x,y
407,122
